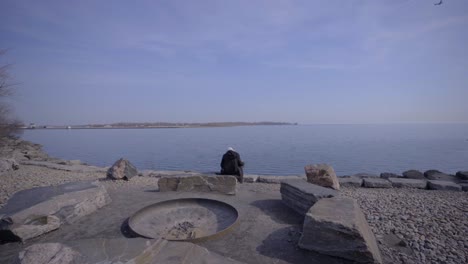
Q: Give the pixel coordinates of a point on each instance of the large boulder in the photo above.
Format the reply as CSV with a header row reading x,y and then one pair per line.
x,y
34,212
376,183
8,165
122,170
225,184
300,195
443,185
413,174
322,175
350,181
50,253
408,183
337,227
462,175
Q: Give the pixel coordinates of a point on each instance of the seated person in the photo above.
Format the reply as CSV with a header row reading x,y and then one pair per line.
x,y
231,164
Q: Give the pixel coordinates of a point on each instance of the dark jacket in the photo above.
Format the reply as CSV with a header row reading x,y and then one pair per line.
x,y
231,164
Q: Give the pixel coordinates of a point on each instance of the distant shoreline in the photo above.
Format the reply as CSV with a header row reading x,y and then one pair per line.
x,y
159,125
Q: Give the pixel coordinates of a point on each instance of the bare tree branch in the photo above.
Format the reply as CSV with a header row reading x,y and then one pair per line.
x,y
9,126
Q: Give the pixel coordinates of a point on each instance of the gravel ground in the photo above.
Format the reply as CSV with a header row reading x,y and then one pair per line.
x,y
431,226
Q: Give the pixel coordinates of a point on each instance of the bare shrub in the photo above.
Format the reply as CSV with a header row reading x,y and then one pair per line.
x,y
9,125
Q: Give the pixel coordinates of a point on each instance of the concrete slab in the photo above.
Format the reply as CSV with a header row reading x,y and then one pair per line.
x,y
350,181
279,179
376,183
24,217
408,183
27,198
444,186
250,178
267,232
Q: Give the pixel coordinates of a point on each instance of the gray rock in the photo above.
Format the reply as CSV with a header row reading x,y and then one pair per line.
x,y
365,175
431,172
278,179
376,183
250,178
24,219
350,181
224,184
462,175
386,175
8,165
439,176
464,187
300,195
50,253
122,170
337,227
322,175
413,174
408,183
32,227
443,185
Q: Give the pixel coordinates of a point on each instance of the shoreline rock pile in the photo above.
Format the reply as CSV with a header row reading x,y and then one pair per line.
x,y
430,180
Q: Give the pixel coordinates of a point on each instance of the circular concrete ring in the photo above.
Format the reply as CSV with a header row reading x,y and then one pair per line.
x,y
188,219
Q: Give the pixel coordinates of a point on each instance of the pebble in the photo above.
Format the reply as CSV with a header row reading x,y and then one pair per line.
x,y
430,221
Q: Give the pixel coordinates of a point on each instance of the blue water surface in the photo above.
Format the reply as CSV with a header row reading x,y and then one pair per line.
x,y
271,150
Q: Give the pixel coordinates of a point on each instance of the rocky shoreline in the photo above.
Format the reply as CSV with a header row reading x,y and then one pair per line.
x,y
411,225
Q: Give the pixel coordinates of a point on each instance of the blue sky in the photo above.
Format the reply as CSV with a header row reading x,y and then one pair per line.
x,y
79,62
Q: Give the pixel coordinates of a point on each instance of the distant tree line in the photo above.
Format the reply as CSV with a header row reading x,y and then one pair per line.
x,y
170,124
10,126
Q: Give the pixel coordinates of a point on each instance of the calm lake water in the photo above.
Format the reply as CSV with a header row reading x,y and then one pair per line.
x,y
274,150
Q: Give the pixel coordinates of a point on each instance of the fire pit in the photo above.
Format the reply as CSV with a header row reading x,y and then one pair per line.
x,y
189,219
